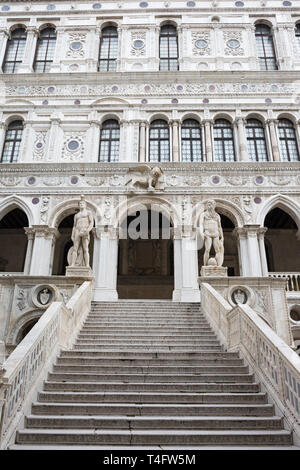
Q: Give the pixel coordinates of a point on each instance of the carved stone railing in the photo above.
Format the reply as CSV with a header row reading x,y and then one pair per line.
x,y
27,366
274,363
293,280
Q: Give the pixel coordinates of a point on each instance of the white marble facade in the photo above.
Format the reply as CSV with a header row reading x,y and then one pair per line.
x,y
63,111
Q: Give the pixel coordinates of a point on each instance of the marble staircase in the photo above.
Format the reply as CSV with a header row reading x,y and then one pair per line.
x,y
150,375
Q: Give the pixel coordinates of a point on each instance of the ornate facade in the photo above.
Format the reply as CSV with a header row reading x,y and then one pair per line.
x,y
207,91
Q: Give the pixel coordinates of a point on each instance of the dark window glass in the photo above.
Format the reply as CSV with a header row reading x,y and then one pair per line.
x,y
159,141
288,142
297,34
45,50
14,51
12,142
255,133
265,47
223,141
191,144
108,50
168,48
109,141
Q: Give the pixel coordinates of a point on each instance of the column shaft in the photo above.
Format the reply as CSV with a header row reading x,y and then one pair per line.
x,y
208,141
274,140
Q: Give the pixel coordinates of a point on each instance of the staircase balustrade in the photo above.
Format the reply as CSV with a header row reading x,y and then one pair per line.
x,y
293,280
275,364
27,366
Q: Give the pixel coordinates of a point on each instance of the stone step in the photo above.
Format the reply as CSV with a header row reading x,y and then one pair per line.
x,y
154,348
150,337
148,355
148,370
146,341
166,409
140,330
153,422
154,397
91,360
150,387
151,437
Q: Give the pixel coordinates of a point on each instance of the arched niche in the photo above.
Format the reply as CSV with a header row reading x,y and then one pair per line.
x,y
13,241
282,245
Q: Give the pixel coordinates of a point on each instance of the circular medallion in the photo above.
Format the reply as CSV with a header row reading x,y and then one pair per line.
x,y
138,44
74,180
143,5
31,180
239,296
5,8
35,200
97,6
233,43
51,7
190,4
76,46
201,43
239,4
73,145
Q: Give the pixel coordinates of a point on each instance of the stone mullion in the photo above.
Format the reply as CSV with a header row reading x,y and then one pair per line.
x,y
274,140
4,35
208,140
142,142
29,52
242,141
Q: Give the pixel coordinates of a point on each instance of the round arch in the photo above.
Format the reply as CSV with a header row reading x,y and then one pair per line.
x,y
20,325
156,116
227,208
282,202
66,208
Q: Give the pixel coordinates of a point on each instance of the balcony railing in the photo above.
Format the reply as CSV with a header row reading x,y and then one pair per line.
x,y
293,279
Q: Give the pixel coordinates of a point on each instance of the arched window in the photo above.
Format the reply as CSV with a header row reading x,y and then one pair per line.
x,y
45,50
14,51
109,141
223,141
159,141
297,34
168,48
108,50
12,142
191,144
256,141
265,47
288,141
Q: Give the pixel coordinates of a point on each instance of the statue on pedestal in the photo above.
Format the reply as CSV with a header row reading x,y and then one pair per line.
x,y
83,223
212,233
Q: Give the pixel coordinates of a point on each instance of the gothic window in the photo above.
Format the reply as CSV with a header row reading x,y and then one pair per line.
x,y
297,34
159,141
45,50
109,141
191,145
168,48
223,141
255,133
108,50
12,142
265,47
288,141
14,51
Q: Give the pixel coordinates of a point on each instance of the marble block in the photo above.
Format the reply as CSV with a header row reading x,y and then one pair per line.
x,y
80,271
214,271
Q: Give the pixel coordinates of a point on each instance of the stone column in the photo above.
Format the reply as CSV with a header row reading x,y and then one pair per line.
x,y
253,250
186,288
30,236
25,154
105,287
262,250
243,150
142,144
61,44
44,239
274,141
241,236
175,140
3,43
208,140
93,141
29,52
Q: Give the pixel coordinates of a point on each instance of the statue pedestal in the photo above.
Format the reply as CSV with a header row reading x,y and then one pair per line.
x,y
82,271
213,271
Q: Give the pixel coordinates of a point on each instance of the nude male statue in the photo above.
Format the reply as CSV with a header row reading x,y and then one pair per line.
x,y
83,224
212,233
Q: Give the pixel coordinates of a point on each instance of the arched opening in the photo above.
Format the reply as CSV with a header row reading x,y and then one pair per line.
x,y
145,258
282,246
13,241
231,256
64,243
25,330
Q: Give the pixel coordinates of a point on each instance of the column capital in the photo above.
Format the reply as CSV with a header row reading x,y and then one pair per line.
x,y
240,120
175,122
207,121
252,230
45,231
272,121
29,232
4,31
33,30
262,230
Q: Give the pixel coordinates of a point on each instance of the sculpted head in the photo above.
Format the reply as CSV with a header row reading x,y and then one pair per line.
x,y
210,205
82,203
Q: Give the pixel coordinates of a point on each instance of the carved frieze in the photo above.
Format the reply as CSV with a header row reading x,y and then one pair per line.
x,y
233,43
201,43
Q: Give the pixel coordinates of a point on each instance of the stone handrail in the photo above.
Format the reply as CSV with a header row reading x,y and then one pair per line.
x,y
293,279
274,363
27,366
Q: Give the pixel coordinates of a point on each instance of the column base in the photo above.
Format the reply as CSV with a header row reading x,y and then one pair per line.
x,y
81,271
186,295
105,295
213,271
